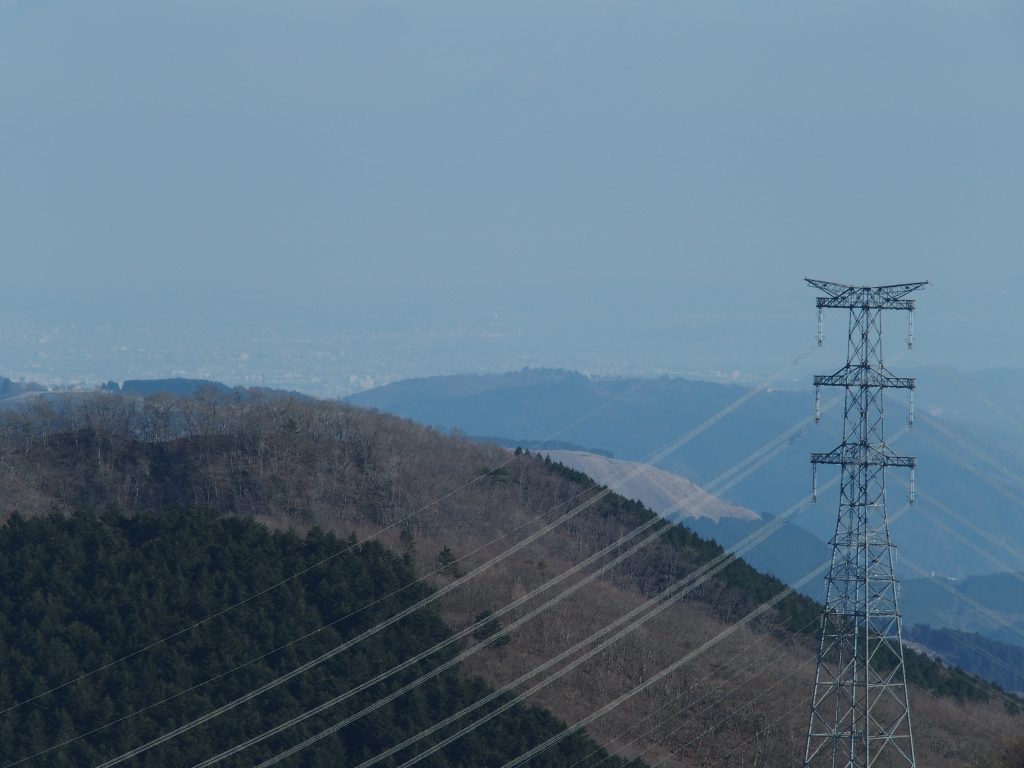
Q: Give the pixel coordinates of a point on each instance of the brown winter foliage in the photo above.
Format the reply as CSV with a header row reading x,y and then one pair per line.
x,y
299,463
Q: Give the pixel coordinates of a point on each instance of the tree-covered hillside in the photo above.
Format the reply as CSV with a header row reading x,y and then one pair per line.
x,y
81,592
450,505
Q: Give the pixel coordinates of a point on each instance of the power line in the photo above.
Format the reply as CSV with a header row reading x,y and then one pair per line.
x,y
745,651
660,602
945,586
894,517
238,604
964,640
665,526
987,726
971,447
654,457
281,757
996,541
788,713
723,559
746,705
1011,701
272,587
582,723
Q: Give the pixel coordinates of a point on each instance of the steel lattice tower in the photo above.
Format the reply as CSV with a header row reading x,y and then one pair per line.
x,y
860,711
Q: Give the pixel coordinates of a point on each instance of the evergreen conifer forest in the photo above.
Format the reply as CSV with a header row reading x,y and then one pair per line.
x,y
82,592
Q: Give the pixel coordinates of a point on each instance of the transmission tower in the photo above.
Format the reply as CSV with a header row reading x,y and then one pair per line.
x,y
860,711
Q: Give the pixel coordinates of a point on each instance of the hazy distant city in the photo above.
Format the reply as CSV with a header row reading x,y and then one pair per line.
x,y
332,361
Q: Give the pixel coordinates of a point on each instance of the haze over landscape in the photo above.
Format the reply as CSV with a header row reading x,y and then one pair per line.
x,y
431,382
339,195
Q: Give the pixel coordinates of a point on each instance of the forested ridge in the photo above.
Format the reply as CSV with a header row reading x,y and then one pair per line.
x,y
446,505
992,660
796,612
81,592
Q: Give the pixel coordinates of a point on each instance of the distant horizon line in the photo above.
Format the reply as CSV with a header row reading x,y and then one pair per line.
x,y
58,383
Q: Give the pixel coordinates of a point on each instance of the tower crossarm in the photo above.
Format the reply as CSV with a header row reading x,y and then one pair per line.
x,y
863,376
842,296
859,454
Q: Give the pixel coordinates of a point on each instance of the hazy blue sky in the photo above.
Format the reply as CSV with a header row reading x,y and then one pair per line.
x,y
633,184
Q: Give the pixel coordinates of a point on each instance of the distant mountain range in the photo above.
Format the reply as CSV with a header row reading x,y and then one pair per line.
x,y
994,599
969,487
